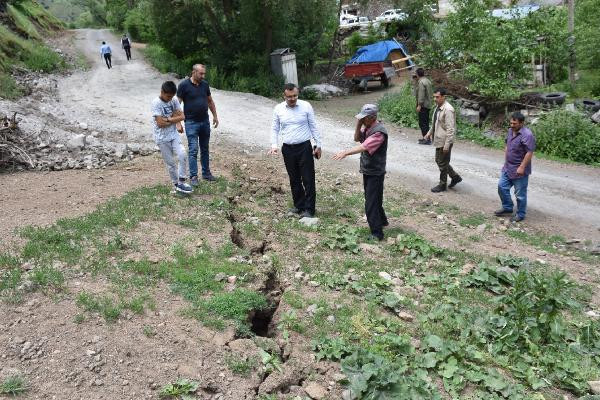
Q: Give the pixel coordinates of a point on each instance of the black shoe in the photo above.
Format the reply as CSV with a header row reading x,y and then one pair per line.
x,y
209,178
502,211
438,188
516,218
386,223
456,180
374,238
307,214
425,142
421,141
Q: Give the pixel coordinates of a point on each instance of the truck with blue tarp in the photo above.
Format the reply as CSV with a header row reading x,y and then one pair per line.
x,y
378,61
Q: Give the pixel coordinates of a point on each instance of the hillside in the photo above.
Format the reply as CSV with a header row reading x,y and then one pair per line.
x,y
23,25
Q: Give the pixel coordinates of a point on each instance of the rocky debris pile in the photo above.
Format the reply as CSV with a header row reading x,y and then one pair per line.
x,y
35,84
471,112
323,91
58,150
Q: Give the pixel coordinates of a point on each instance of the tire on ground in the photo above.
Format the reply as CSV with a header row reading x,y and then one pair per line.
x,y
588,104
556,98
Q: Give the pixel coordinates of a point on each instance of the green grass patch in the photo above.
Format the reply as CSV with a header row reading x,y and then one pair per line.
x,y
472,220
13,385
8,87
23,23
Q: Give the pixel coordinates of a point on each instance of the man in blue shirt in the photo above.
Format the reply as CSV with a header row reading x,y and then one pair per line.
x,y
520,145
106,53
194,93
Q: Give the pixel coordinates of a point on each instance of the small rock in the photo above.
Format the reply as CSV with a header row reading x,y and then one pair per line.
x,y
406,316
315,391
220,277
312,309
307,221
331,319
543,262
592,314
232,279
83,126
595,386
573,241
313,283
347,395
385,276
481,228
77,142
90,353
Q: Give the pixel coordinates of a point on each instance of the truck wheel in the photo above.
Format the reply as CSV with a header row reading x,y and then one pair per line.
x,y
385,82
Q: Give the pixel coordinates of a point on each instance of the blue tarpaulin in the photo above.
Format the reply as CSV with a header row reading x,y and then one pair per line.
x,y
378,52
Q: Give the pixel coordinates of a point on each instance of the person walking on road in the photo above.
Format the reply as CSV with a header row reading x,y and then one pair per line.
x,y
373,139
424,95
126,45
106,53
294,122
520,145
442,133
195,94
166,116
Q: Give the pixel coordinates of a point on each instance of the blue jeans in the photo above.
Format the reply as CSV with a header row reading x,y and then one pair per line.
x,y
520,184
198,133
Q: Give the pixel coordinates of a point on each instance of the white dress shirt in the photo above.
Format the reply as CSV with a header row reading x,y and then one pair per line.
x,y
294,124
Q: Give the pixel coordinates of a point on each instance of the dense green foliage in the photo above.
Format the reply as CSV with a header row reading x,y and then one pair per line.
x,y
568,135
234,39
587,34
490,52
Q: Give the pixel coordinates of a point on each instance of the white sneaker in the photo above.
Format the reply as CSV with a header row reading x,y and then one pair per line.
x,y
183,187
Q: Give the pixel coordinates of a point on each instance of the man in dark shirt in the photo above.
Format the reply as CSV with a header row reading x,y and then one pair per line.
x,y
126,45
194,93
520,145
372,136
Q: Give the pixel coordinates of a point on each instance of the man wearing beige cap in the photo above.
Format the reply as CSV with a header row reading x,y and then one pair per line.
x,y
373,139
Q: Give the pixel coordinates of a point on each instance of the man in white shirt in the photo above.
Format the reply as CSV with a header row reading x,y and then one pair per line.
x,y
294,123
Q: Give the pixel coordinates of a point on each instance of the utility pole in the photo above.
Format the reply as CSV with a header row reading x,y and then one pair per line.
x,y
571,41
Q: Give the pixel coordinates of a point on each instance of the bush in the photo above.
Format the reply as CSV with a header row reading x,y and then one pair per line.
x,y
41,58
568,135
400,107
8,87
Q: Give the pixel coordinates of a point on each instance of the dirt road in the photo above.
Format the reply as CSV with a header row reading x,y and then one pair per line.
x,y
563,198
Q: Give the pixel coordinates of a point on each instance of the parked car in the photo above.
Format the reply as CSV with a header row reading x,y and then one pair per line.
x,y
349,22
392,15
364,21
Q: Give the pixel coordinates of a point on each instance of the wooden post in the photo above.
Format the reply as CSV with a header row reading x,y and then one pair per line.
x,y
571,41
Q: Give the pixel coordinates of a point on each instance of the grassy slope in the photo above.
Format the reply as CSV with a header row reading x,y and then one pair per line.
x,y
21,32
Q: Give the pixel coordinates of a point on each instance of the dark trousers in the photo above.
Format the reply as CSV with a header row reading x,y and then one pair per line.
x,y
108,60
373,185
424,120
127,52
300,167
443,161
